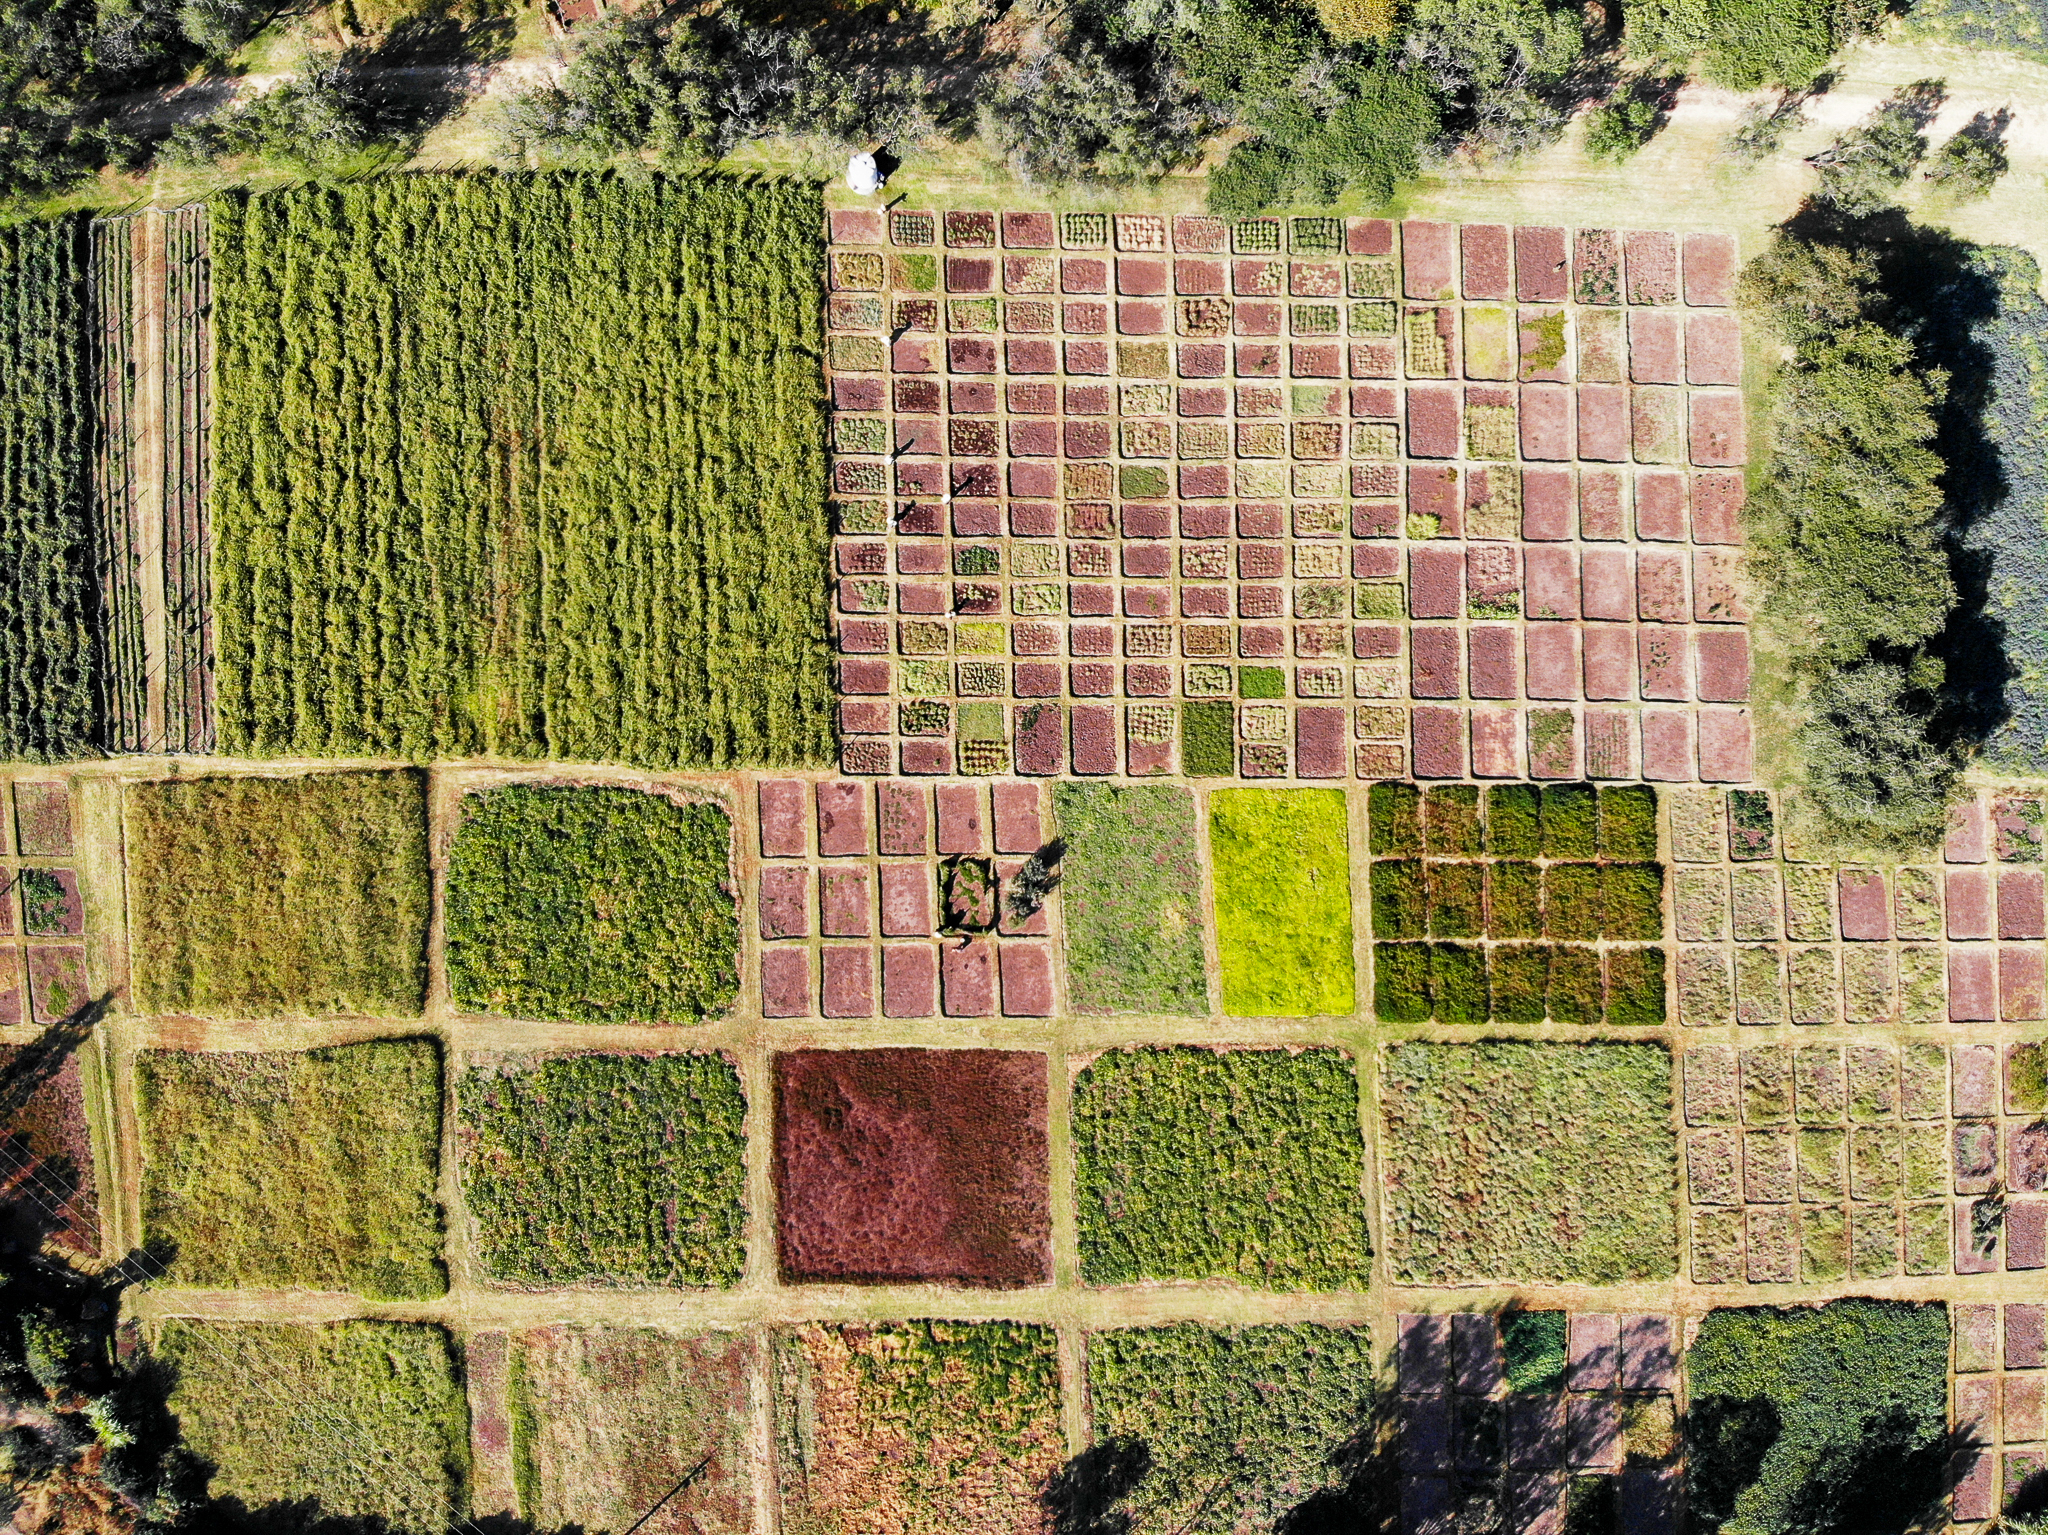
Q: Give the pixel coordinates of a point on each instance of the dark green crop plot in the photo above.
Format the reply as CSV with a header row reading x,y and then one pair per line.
x,y
1514,900
1628,822
330,870
1239,1164
1207,731
1632,902
1400,907
1571,902
1242,1426
1827,1418
1571,821
1575,990
1395,816
618,1169
1400,980
1451,812
1635,986
524,466
1457,899
594,905
1514,821
1533,1343
1457,983
1528,1163
1518,978
1131,898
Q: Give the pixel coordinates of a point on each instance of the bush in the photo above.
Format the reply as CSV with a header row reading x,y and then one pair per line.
x,y
623,1169
595,905
331,870
1747,44
1280,1206
1860,172
1505,68
1616,130
1132,898
1971,162
1082,112
1281,864
1366,142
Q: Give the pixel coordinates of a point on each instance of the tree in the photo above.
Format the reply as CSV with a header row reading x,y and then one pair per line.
x,y
1861,171
1080,112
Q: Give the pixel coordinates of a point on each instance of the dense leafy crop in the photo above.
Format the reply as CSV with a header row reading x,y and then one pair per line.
x,y
1241,1427
330,870
624,1169
598,905
523,466
1131,895
1283,900
1236,1164
315,1170
48,649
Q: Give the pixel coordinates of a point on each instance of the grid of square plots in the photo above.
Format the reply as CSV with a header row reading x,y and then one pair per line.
x,y
1429,499
1998,1395
42,918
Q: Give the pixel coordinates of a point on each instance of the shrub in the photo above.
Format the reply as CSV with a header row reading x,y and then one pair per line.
x,y
1514,827
1971,162
279,1170
1833,1417
1132,898
1208,739
623,1169
1283,901
1862,169
1281,1206
595,905
1617,129
1394,816
331,870
1242,1426
601,591
1262,681
1399,904
361,1421
1528,1162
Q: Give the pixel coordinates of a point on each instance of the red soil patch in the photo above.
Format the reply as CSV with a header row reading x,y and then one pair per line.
x,y
1723,665
1433,662
42,818
1429,259
1541,277
1553,661
849,984
1546,503
1492,662
1866,910
1610,661
1660,506
1662,653
1653,347
1667,745
1496,743
1489,264
1606,587
1439,743
1972,986
1717,431
1725,747
1652,267
1710,265
896,1166
1552,578
1319,742
1435,576
46,1176
1717,499
1546,421
1713,349
1603,423
785,983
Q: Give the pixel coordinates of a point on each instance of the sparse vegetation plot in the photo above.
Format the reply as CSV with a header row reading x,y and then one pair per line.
x,y
567,501
1529,1162
1237,1164
312,1170
592,904
356,1420
1242,1427
1132,899
622,1169
1283,900
917,1428
330,870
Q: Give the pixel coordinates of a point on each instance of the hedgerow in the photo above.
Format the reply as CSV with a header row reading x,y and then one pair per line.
x,y
1529,1162
622,1169
49,652
565,501
1746,44
593,904
314,1170
330,869
354,1421
1238,1164
1242,1426
1283,900
1826,1418
1131,898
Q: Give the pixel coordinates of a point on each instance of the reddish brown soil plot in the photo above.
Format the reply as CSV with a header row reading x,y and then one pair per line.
x,y
906,1165
46,1173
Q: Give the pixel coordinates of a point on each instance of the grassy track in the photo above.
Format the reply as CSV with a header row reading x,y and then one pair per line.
x,y
522,466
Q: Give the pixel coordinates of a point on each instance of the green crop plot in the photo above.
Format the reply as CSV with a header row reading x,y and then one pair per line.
x,y
314,1170
356,1421
620,1169
330,870
1240,1164
1243,1427
1529,1162
594,905
1283,901
1131,894
565,501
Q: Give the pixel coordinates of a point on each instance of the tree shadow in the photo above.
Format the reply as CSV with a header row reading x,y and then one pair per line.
x,y
1889,1482
1082,1497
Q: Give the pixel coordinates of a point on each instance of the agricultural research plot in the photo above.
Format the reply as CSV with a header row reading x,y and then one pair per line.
x,y
42,907
917,1428
360,1421
312,1171
1131,896
1305,497
1999,1399
606,1420
52,1191
1528,1162
330,868
1283,901
605,1169
601,402
593,905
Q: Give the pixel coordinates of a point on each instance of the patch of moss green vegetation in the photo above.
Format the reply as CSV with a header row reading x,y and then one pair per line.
x,y
595,905
1207,737
1457,906
1632,902
1571,902
1283,901
1549,350
1131,898
1243,1427
1262,682
1533,1343
330,870
284,1170
1457,983
1529,1162
1514,900
1628,823
1452,815
1635,987
352,1421
1574,995
1518,979
1571,821
624,1169
1242,1165
1514,821
1827,1418
1394,815
1400,907
1400,980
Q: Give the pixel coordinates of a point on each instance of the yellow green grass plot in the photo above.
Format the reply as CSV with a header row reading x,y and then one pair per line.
x,y
1281,859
